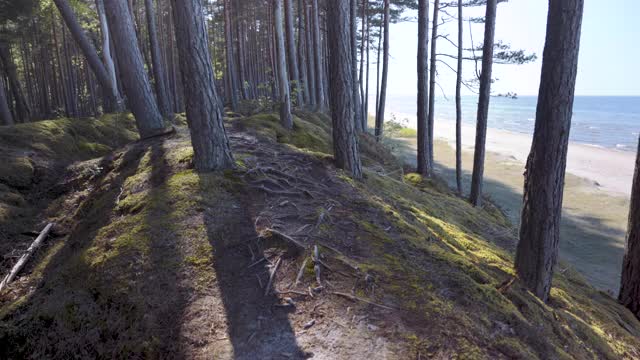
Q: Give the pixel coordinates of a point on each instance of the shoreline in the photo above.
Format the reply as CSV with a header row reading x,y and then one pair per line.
x,y
596,201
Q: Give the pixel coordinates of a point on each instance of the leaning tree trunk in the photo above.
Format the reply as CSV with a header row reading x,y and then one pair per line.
x,y
385,73
204,115
6,118
156,59
231,71
483,103
294,72
537,250
317,50
630,284
424,160
357,115
459,104
345,144
136,84
23,111
432,80
90,53
107,59
283,81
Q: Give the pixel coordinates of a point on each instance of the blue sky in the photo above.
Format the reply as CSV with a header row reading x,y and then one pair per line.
x,y
609,50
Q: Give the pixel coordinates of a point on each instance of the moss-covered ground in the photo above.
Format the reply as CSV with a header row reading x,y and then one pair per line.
x,y
158,261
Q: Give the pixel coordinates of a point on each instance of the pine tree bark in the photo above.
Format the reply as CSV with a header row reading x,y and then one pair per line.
x,y
107,58
302,44
311,60
459,103
231,71
483,103
353,18
292,61
156,59
345,144
385,74
136,83
424,139
537,250
283,81
23,112
432,78
630,284
91,55
317,50
204,115
6,118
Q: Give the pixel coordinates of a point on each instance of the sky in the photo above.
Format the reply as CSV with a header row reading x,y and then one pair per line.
x,y
609,49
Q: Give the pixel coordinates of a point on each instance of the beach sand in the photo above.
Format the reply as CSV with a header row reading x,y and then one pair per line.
x,y
596,199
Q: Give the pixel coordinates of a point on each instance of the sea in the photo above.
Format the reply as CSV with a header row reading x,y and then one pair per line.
x,y
611,122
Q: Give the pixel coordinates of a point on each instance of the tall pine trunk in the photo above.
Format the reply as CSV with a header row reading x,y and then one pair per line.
x,y
90,53
424,159
232,95
136,83
630,284
304,83
204,115
483,103
6,118
107,58
294,72
311,60
432,79
537,250
459,103
23,112
283,81
156,59
353,18
317,50
385,73
345,144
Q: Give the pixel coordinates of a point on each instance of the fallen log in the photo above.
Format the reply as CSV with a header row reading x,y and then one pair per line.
x,y
25,257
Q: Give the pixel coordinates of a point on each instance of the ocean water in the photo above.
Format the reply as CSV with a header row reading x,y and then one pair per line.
x,y
609,122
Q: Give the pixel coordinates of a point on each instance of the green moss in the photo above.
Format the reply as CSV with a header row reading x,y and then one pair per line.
x,y
16,171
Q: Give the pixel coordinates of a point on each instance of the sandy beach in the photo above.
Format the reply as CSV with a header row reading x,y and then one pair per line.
x,y
596,201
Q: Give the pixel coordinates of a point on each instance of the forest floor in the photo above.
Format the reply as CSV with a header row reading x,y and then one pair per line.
x,y
284,257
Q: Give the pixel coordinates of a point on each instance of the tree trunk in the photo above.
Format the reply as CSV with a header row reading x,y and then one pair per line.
x,y
353,18
311,68
367,75
294,72
459,103
156,59
90,53
424,139
137,87
537,250
6,118
317,49
283,81
304,83
483,104
345,144
385,73
107,59
23,111
204,115
432,80
232,96
630,284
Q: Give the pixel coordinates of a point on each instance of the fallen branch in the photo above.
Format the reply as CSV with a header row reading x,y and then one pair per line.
x,y
355,298
301,272
23,260
271,276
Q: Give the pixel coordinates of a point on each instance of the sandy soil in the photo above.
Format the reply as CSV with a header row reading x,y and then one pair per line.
x,y
596,194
